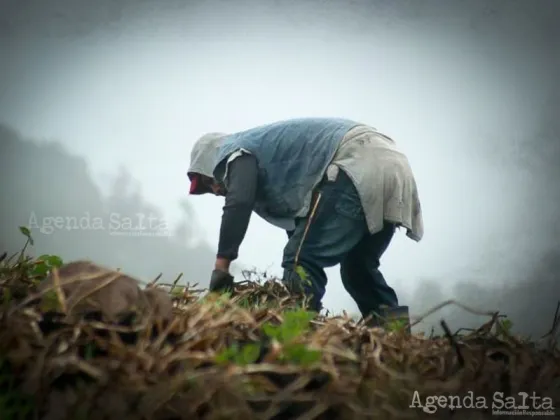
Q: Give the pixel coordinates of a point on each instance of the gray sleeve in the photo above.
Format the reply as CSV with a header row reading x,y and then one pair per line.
x,y
242,177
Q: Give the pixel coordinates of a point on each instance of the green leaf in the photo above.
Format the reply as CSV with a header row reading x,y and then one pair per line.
x,y
54,261
295,324
228,354
272,331
40,270
249,354
301,355
303,275
505,326
310,357
49,260
396,325
27,233
288,333
221,358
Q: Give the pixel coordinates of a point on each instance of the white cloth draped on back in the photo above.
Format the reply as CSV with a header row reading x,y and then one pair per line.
x,y
384,180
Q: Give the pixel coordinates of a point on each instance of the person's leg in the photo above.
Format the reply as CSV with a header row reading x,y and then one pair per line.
x,y
361,276
337,225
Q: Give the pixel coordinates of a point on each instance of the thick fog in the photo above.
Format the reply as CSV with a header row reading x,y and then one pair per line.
x,y
101,102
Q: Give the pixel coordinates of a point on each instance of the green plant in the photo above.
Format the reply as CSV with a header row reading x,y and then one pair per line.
x,y
41,266
504,326
396,325
27,233
296,323
303,275
244,355
25,271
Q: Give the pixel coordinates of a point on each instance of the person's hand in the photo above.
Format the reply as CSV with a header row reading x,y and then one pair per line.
x,y
221,281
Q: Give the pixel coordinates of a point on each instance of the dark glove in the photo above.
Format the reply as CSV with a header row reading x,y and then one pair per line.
x,y
221,281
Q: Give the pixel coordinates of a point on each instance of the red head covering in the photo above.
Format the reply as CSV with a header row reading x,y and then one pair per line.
x,y
198,186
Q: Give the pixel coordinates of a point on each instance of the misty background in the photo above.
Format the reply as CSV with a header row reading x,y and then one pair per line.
x,y
101,103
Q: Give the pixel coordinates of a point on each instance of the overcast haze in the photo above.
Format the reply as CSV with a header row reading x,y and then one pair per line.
x,y
469,90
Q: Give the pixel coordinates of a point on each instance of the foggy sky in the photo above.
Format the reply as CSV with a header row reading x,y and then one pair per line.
x,y
469,90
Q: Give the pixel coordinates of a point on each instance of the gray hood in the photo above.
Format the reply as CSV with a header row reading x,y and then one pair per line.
x,y
203,154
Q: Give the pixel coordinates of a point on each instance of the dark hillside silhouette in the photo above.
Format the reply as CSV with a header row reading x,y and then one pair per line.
x,y
42,180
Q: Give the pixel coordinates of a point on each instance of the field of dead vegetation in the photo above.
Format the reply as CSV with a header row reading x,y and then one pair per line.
x,y
79,341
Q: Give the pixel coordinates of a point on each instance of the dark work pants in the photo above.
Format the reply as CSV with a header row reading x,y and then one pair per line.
x,y
338,234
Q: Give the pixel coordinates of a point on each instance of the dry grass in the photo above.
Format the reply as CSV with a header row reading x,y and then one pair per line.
x,y
253,355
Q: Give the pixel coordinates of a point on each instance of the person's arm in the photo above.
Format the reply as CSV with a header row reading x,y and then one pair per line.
x,y
242,176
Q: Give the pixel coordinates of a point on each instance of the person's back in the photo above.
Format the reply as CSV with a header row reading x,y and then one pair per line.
x,y
292,157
